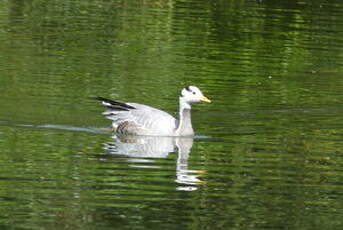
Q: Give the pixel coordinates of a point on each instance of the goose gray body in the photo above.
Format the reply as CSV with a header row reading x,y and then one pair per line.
x,y
139,119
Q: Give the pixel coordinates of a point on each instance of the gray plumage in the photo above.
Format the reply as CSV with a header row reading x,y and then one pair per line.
x,y
139,119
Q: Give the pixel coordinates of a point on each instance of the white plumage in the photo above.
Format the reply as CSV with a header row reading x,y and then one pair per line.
x,y
139,119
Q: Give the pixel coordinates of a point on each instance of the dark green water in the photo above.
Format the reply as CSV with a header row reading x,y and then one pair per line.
x,y
268,151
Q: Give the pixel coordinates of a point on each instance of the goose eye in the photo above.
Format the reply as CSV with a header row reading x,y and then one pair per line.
x,y
194,93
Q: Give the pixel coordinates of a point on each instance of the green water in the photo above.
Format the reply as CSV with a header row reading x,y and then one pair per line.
x,y
267,152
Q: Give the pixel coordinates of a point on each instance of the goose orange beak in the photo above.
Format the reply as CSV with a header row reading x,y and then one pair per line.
x,y
205,99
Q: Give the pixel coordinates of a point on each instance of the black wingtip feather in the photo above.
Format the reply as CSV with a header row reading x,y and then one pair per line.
x,y
114,104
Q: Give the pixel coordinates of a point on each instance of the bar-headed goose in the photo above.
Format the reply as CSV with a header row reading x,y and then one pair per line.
x,y
138,119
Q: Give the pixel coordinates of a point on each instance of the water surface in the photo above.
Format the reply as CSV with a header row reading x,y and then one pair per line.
x,y
268,150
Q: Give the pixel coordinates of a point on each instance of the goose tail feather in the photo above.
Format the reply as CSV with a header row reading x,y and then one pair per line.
x,y
114,105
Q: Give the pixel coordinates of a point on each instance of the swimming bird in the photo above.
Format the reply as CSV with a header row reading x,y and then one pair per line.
x,y
138,119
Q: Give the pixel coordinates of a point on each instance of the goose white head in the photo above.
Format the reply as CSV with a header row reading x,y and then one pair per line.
x,y
191,94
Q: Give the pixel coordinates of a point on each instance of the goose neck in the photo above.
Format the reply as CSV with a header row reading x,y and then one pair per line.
x,y
185,123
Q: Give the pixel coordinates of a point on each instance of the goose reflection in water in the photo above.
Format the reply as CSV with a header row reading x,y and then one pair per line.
x,y
139,148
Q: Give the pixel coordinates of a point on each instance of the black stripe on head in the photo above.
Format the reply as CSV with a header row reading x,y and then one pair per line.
x,y
188,89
